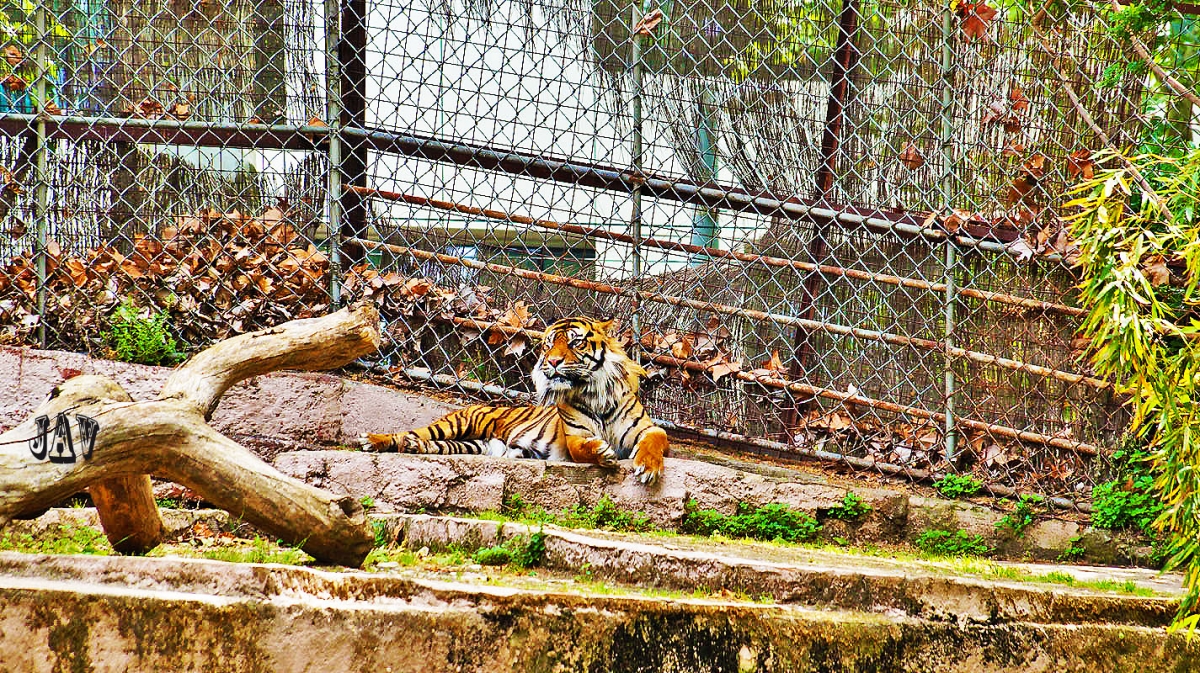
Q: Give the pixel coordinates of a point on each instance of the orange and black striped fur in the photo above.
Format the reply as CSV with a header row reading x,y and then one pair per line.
x,y
588,410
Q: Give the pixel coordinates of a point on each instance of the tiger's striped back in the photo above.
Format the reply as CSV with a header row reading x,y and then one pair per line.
x,y
524,432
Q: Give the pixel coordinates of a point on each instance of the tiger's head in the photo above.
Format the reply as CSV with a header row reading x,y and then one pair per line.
x,y
579,355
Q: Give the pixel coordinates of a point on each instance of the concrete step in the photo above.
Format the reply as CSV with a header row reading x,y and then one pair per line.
x,y
970,591
140,614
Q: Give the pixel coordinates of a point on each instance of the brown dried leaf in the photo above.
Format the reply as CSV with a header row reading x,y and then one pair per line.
x,y
774,364
996,456
1020,187
1019,102
1035,166
911,157
1014,148
180,110
149,109
517,315
956,220
648,23
682,349
1080,164
12,54
976,17
517,345
724,368
14,83
1155,269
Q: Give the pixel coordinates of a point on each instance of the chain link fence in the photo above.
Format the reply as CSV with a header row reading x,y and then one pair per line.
x,y
828,227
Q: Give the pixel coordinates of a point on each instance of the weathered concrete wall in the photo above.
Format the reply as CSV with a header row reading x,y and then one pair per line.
x,y
122,614
282,411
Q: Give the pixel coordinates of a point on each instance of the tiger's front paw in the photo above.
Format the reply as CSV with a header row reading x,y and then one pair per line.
x,y
386,443
647,473
648,463
604,454
376,443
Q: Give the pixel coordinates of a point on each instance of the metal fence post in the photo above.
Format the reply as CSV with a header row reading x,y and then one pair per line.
x,y
352,92
951,258
844,61
705,225
41,187
333,112
635,55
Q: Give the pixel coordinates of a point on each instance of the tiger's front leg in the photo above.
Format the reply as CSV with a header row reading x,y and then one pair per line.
x,y
649,453
591,450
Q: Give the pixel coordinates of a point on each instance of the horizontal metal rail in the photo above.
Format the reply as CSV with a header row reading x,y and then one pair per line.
x,y
909,225
767,260
170,131
759,316
311,137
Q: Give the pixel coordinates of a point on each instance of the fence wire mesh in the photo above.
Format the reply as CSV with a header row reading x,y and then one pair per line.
x,y
829,228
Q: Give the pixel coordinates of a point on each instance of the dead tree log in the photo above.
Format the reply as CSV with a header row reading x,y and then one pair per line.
x,y
90,434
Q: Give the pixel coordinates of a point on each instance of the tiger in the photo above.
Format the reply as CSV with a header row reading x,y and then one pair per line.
x,y
587,410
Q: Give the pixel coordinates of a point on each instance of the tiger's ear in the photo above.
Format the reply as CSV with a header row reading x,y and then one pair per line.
x,y
604,325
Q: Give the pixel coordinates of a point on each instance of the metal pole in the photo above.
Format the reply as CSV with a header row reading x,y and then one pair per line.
x,y
946,150
352,100
636,159
705,223
41,189
333,112
844,61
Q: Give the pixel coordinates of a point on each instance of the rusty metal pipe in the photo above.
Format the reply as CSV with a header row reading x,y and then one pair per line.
x,y
767,260
760,316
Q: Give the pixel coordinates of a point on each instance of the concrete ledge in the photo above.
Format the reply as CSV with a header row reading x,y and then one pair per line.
x,y
813,578
122,614
405,482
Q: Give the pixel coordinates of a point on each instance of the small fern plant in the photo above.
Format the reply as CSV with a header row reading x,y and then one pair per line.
x,y
139,336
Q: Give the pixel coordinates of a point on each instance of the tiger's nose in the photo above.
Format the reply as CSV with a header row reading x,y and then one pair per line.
x,y
554,360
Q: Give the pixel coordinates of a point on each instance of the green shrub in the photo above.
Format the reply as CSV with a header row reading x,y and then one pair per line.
x,y
492,556
769,522
952,543
380,532
698,521
1074,550
146,340
604,515
520,550
71,539
1117,505
1023,516
956,486
1130,500
513,505
852,507
528,552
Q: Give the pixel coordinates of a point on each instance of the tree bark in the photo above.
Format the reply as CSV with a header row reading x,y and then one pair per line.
x,y
169,437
